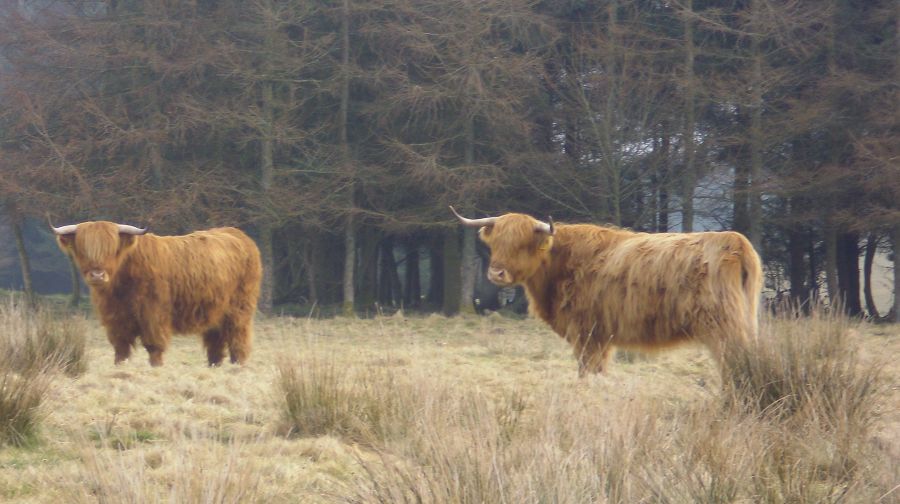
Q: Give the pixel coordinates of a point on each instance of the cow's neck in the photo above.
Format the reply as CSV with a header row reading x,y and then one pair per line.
x,y
541,287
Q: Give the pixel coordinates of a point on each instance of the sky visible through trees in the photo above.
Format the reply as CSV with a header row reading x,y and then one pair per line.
x,y
337,133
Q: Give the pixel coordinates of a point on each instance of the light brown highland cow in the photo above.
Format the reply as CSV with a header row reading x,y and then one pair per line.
x,y
601,288
149,287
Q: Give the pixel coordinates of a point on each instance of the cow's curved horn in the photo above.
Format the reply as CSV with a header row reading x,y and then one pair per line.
x,y
544,227
486,221
63,230
126,229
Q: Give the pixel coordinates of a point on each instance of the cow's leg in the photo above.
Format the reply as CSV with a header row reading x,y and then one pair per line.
x,y
239,336
121,341
593,357
122,346
215,346
156,355
584,353
600,359
156,340
123,352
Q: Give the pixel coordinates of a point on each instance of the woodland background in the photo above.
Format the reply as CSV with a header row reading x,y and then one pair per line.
x,y
337,133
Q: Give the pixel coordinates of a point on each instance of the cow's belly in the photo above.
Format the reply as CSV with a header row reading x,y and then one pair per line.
x,y
197,315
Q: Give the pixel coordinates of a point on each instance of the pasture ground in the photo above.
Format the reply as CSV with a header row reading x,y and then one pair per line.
x,y
186,432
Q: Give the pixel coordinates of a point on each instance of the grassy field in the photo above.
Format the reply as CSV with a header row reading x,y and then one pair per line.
x,y
469,409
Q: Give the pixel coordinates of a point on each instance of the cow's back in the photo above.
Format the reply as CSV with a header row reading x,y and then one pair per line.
x,y
654,290
200,277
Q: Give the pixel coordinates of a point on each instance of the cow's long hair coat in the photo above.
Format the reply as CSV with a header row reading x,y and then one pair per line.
x,y
601,287
206,282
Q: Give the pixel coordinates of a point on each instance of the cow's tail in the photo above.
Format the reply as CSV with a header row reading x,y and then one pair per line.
x,y
751,283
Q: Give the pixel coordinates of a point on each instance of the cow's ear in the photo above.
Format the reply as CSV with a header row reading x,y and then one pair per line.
x,y
485,232
66,241
126,242
545,242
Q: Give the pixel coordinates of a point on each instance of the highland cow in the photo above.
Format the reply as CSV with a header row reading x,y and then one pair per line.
x,y
600,287
149,287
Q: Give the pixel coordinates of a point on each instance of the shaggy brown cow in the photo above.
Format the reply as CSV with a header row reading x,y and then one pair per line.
x,y
601,287
149,286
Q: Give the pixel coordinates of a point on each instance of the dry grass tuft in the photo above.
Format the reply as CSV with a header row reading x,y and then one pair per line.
x,y
363,406
189,473
807,367
32,338
21,396
34,347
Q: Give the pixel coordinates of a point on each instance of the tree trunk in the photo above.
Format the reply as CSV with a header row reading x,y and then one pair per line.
x,y
367,293
436,271
343,113
413,292
741,222
267,172
469,257
871,249
813,269
848,272
388,281
349,291
663,182
266,294
75,298
396,284
895,240
15,221
611,157
452,260
689,177
468,272
756,143
796,270
267,175
310,264
831,259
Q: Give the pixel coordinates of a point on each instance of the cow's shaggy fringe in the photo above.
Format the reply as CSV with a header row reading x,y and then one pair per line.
x,y
33,346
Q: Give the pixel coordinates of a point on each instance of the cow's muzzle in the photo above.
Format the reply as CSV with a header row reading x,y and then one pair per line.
x,y
96,277
499,276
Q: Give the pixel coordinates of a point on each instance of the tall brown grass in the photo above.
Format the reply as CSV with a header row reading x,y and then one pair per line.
x,y
363,406
793,425
34,346
805,366
112,476
32,337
